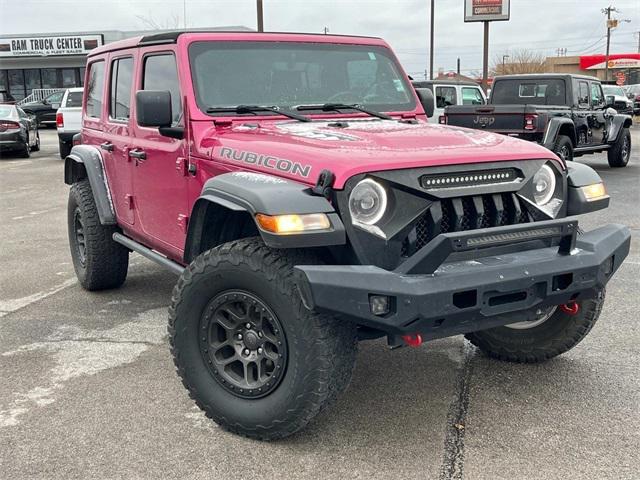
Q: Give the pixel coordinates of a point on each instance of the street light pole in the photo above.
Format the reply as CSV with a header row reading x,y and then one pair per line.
x,y
606,58
504,72
260,16
485,58
431,41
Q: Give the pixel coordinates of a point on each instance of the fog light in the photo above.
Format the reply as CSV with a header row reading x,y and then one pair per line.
x,y
379,304
594,191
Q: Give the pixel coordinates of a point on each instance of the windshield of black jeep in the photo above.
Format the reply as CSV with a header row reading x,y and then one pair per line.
x,y
529,92
287,74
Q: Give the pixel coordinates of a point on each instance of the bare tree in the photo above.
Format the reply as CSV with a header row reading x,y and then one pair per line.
x,y
518,61
170,23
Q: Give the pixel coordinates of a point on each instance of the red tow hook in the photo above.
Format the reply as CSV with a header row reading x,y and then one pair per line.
x,y
571,308
413,340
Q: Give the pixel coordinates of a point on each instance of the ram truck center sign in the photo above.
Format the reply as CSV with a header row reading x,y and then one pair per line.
x,y
486,10
49,46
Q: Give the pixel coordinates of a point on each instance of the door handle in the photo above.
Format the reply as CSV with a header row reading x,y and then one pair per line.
x,y
108,146
139,154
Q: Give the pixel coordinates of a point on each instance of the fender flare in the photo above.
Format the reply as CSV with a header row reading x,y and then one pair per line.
x,y
85,161
248,193
553,128
580,175
618,124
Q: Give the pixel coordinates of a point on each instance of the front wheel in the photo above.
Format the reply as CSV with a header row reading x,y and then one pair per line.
x,y
554,331
620,152
563,148
251,355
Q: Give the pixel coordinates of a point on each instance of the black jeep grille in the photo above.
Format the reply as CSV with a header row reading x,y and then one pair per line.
x,y
465,213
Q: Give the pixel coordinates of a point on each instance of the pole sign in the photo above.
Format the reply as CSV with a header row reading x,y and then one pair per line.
x,y
486,10
43,46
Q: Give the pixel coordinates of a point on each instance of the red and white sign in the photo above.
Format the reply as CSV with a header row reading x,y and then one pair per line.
x,y
620,78
616,60
486,10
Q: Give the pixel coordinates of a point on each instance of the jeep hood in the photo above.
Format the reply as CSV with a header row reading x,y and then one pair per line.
x,y
348,147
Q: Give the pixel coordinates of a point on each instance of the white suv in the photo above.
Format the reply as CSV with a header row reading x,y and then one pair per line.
x,y
68,119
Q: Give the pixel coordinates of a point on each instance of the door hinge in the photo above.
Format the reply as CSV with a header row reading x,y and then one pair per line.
x,y
183,222
128,198
182,166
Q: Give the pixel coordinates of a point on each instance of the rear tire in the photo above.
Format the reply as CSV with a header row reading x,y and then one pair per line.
x,y
310,366
563,148
26,149
99,262
620,152
558,334
65,149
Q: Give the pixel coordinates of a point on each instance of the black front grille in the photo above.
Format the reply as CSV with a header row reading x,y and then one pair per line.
x,y
465,213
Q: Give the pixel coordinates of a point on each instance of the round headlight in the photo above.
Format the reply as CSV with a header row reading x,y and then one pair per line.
x,y
367,202
544,184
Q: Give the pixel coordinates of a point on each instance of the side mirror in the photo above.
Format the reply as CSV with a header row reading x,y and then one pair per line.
x,y
610,101
153,108
426,99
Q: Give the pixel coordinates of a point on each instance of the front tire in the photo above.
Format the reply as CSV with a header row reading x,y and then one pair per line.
x,y
99,261
249,353
564,148
620,152
540,341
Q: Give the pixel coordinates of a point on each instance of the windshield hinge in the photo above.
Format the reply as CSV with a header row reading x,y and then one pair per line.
x,y
323,184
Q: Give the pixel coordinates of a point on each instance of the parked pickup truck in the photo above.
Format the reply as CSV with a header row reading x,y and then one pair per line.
x,y
69,119
568,114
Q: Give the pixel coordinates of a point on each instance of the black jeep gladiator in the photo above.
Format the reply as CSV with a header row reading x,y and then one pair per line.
x,y
568,114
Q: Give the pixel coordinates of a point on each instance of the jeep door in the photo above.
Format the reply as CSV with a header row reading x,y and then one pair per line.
x,y
598,113
583,115
160,186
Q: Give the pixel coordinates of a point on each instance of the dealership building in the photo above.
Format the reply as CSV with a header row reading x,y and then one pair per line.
x,y
55,60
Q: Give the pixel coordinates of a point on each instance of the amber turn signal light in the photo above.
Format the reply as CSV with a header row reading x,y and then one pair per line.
x,y
595,191
284,224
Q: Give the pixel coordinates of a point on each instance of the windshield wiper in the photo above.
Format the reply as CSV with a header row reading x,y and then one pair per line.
x,y
258,108
333,107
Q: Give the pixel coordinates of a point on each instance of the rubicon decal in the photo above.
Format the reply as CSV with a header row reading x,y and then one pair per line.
x,y
274,163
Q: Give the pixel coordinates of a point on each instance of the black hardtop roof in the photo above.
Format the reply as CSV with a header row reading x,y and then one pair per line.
x,y
420,83
535,76
172,37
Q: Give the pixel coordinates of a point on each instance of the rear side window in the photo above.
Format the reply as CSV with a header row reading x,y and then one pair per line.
x,y
74,99
583,94
471,96
95,89
160,73
445,96
121,84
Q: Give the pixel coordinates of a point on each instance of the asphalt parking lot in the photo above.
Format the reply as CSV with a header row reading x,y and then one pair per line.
x,y
89,390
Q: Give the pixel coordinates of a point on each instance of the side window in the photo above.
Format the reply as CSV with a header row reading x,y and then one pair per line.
x,y
583,94
471,96
55,97
597,97
445,96
120,91
95,89
160,73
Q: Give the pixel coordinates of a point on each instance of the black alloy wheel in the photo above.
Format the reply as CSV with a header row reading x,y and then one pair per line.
x,y
243,344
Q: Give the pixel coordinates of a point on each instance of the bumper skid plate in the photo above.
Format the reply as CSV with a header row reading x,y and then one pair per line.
x,y
437,295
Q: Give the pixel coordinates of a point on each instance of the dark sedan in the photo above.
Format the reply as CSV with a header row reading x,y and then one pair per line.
x,y
18,131
45,109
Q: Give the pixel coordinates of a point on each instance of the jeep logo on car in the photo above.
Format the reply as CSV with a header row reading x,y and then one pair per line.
x,y
483,121
275,163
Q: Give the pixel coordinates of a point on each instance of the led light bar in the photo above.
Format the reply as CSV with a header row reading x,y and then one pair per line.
x,y
497,238
470,179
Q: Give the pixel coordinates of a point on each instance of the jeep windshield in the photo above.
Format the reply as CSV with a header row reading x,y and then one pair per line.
x,y
550,91
288,74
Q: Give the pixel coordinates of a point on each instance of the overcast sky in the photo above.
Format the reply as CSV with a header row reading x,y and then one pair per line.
x,y
540,25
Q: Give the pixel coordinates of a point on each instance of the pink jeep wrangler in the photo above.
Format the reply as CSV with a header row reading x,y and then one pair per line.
x,y
295,186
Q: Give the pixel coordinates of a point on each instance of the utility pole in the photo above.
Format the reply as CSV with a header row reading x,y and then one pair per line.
x,y
260,16
458,69
431,40
325,30
608,11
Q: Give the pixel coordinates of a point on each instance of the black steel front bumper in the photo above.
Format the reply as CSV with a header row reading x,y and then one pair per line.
x,y
472,280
